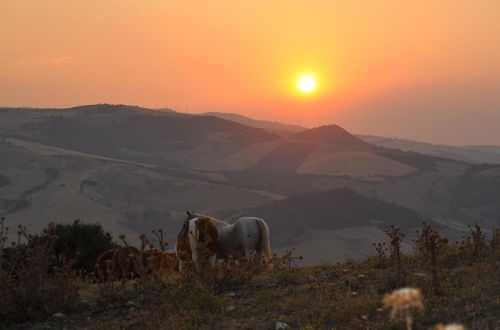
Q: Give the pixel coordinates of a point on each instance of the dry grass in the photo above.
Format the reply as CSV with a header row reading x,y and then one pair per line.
x,y
239,295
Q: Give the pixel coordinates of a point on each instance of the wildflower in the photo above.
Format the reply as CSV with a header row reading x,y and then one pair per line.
x,y
451,326
122,236
402,301
142,237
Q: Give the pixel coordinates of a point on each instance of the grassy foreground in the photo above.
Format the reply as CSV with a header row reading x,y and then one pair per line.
x,y
459,283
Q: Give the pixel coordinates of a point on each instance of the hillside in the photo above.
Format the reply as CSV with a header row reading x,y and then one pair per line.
x,y
130,133
134,169
332,225
330,150
43,184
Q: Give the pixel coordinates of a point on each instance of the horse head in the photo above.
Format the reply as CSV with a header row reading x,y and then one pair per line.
x,y
185,224
206,232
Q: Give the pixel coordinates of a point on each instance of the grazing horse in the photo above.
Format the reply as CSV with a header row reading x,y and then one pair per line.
x,y
124,265
247,235
160,261
101,270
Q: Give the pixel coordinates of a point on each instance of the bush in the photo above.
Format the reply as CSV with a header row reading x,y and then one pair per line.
x,y
89,239
32,284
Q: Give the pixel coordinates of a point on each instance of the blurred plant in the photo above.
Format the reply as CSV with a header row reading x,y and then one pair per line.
x,y
451,326
401,303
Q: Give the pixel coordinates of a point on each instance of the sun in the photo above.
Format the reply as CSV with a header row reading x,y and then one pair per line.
x,y
306,84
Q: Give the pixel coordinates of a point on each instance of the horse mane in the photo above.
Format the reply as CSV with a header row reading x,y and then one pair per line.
x,y
193,215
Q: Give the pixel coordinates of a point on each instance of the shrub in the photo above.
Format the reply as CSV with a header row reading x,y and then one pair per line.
x,y
32,285
89,239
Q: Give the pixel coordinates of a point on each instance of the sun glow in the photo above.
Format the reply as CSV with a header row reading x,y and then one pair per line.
x,y
306,84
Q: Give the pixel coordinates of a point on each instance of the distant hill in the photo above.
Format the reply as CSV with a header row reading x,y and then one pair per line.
x,y
328,134
132,133
490,149
330,150
471,154
255,122
325,192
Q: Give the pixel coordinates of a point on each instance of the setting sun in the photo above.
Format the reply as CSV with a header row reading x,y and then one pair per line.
x,y
306,84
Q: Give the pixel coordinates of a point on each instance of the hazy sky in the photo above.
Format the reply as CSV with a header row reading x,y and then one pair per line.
x,y
424,69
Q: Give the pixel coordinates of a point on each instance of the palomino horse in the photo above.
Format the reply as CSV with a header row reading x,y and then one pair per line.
x,y
247,235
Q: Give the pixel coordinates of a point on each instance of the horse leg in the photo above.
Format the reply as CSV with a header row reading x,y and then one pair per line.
x,y
194,255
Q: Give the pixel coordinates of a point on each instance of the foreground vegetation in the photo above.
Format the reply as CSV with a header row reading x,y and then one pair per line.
x,y
458,282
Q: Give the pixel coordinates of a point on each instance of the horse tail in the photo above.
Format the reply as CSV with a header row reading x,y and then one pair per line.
x,y
264,243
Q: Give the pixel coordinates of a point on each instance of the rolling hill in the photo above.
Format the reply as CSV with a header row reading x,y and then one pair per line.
x,y
324,191
331,225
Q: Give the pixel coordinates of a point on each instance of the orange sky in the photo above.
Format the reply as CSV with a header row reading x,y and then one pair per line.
x,y
426,69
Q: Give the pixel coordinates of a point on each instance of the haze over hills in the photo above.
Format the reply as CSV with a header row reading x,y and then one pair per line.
x,y
134,169
471,154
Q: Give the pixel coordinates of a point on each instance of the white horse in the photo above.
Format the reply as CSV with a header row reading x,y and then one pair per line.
x,y
243,238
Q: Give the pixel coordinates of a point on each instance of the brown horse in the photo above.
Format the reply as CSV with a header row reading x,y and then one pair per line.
x,y
102,271
160,261
125,263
